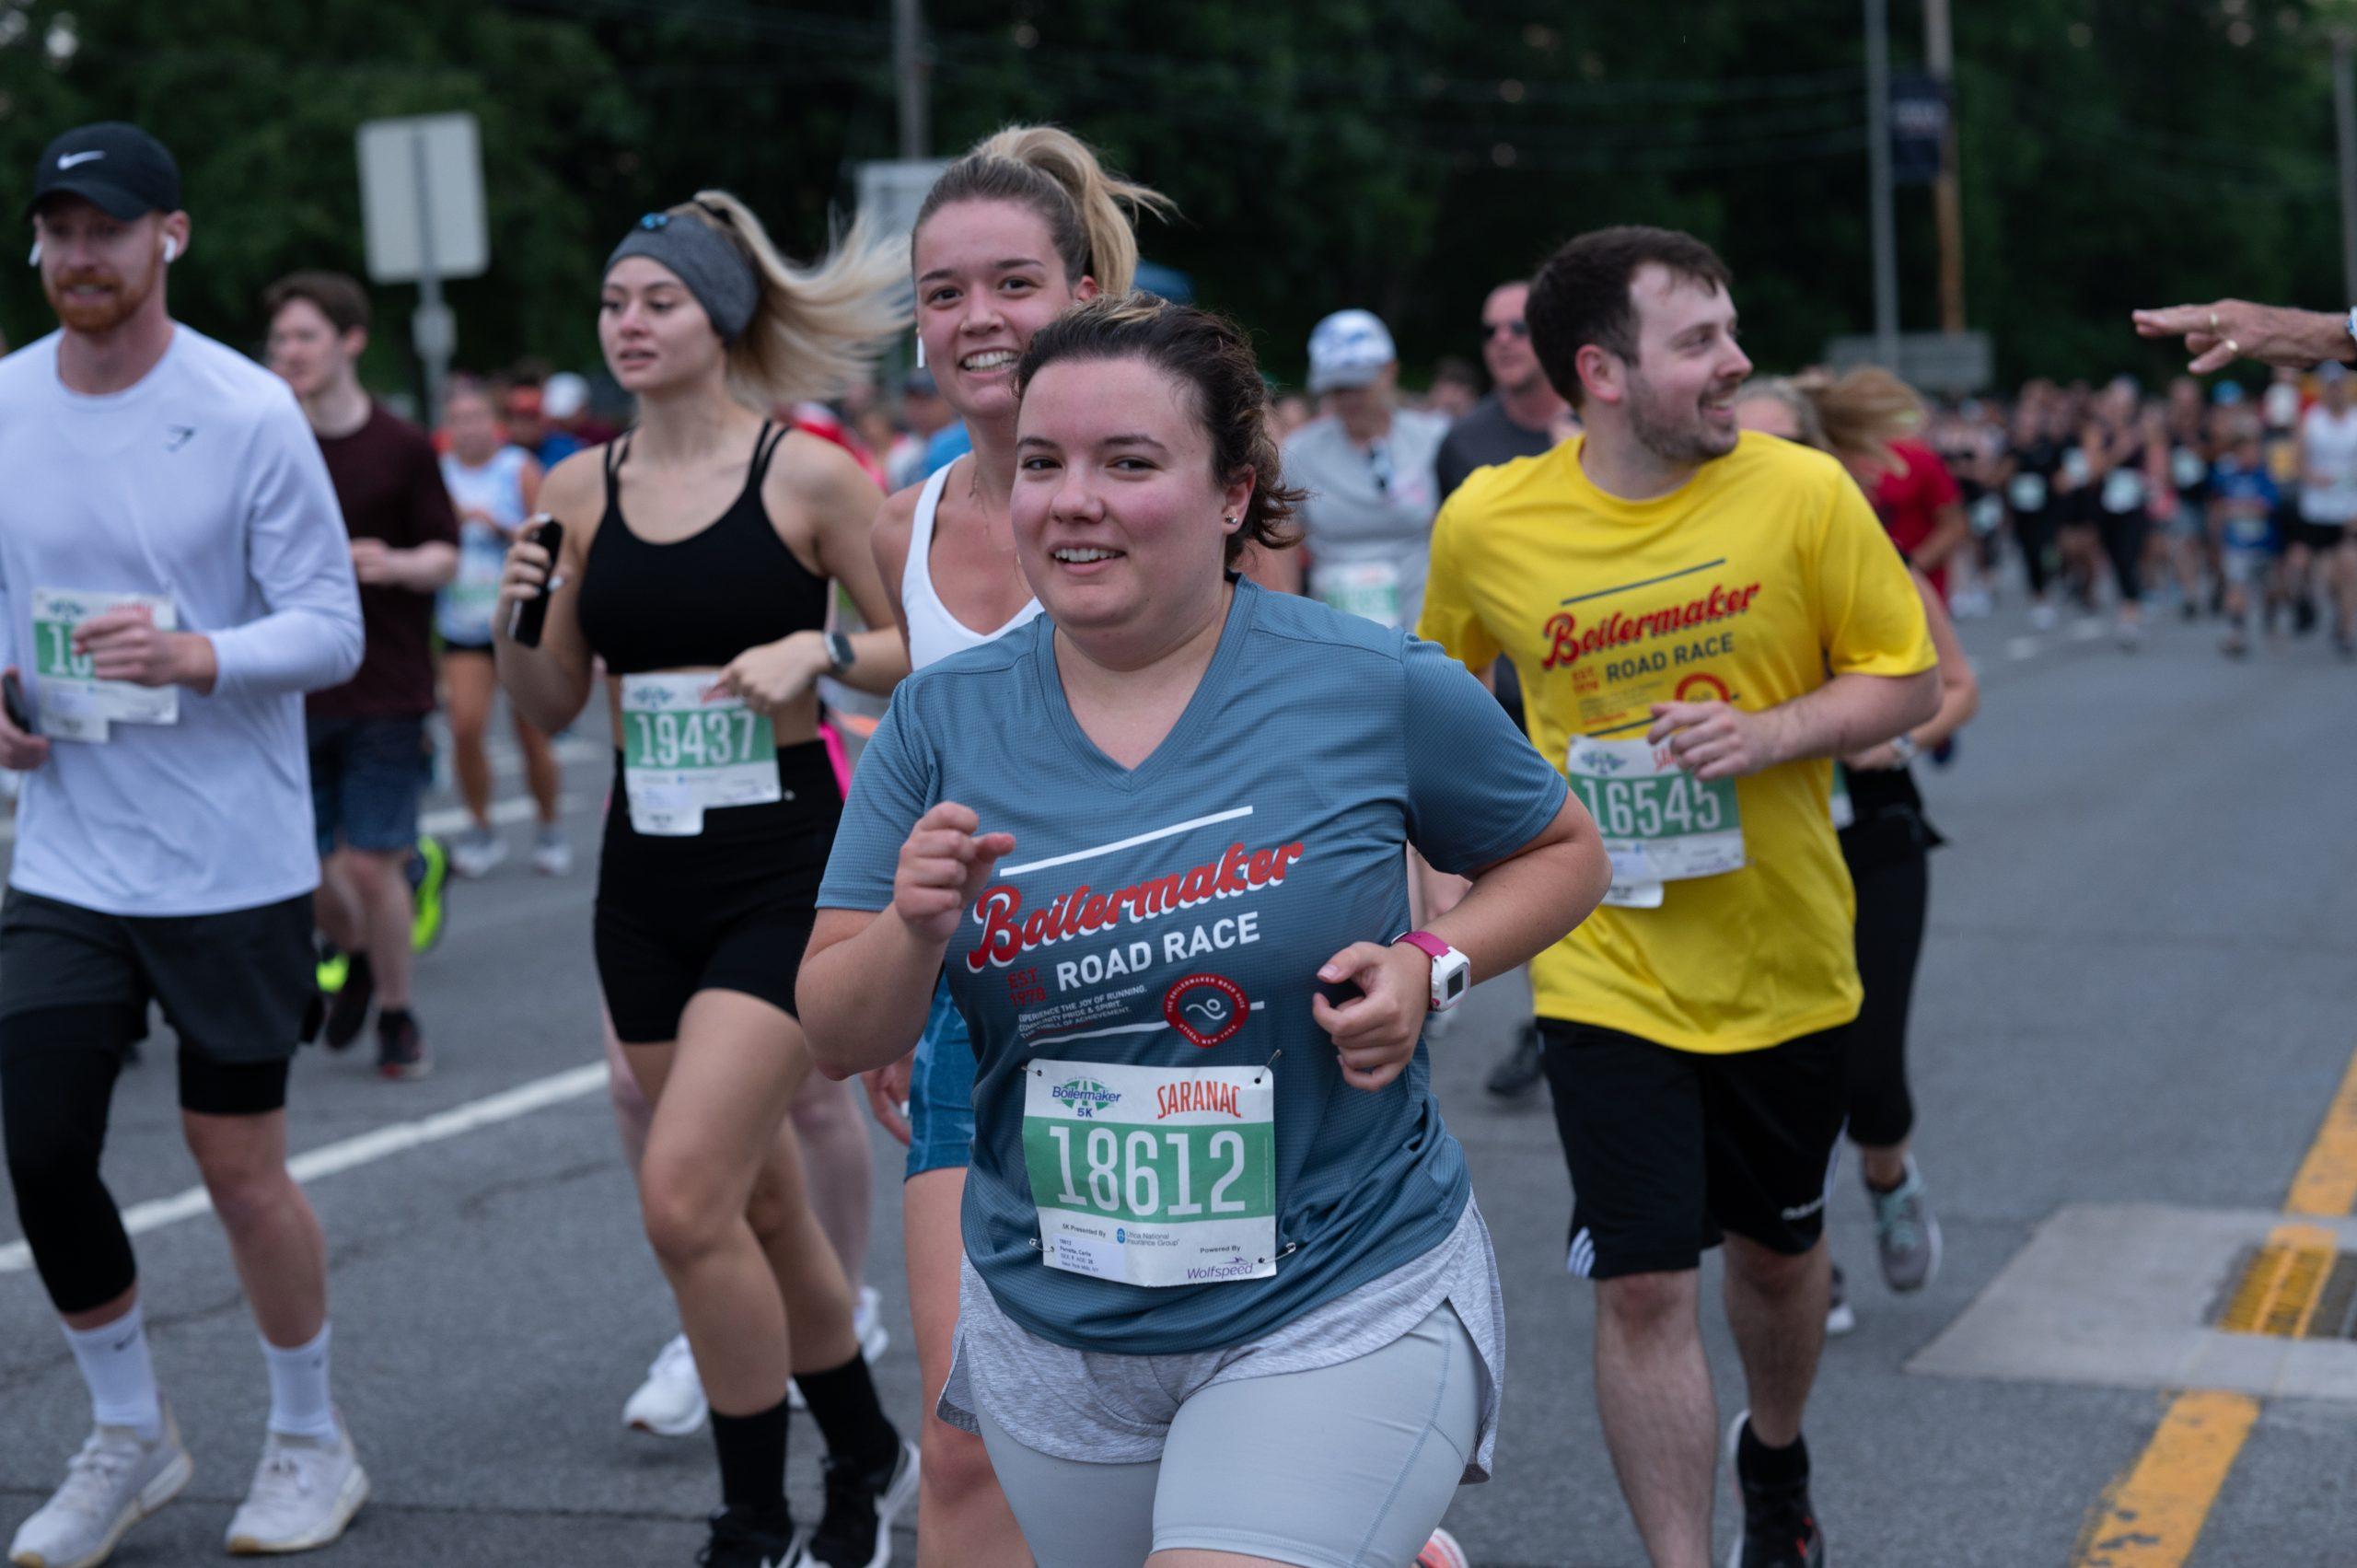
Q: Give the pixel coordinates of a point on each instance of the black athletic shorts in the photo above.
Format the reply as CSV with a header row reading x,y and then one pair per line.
x,y
234,986
2320,538
1669,1149
728,909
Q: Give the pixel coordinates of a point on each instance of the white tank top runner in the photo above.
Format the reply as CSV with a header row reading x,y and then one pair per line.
x,y
933,632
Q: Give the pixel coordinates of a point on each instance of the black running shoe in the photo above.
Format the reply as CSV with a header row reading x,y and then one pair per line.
x,y
857,1530
1523,1067
743,1538
1779,1523
349,1011
400,1049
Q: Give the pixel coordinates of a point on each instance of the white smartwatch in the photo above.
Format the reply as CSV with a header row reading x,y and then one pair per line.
x,y
1452,970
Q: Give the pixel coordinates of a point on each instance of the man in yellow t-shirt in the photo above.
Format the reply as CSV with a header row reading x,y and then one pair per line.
x,y
1703,619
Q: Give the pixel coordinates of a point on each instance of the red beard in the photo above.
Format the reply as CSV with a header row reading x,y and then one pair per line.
x,y
103,313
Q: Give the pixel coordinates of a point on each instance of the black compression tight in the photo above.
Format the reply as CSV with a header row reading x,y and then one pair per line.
x,y
57,1072
1893,895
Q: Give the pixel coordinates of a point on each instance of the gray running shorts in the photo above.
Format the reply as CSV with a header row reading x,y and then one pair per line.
x,y
1348,1466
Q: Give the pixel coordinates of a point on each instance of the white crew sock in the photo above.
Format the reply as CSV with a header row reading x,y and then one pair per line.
x,y
113,1359
299,1406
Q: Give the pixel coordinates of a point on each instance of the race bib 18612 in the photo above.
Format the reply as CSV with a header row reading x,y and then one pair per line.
x,y
682,756
74,705
1659,822
1370,588
1153,1175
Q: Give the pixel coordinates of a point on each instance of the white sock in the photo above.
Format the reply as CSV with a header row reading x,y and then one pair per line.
x,y
299,1406
113,1359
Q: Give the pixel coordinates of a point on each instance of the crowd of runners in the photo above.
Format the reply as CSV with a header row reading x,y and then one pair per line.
x,y
1617,671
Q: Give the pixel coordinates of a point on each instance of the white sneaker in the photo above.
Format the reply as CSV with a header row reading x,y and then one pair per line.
x,y
867,1327
116,1480
476,852
670,1403
305,1491
2044,617
551,852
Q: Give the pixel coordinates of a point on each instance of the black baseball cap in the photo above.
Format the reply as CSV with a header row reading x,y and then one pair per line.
x,y
119,168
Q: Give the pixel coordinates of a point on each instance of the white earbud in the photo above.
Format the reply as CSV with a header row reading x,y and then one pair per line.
x,y
171,250
34,260
920,353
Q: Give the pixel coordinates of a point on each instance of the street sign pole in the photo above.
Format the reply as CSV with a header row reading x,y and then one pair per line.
x,y
1885,243
422,204
432,330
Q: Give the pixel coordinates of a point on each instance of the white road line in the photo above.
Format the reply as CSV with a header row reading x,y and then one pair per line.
x,y
365,1149
2021,649
517,808
2086,631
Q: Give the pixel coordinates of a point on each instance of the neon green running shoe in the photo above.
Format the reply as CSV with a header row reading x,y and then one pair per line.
x,y
429,870
335,969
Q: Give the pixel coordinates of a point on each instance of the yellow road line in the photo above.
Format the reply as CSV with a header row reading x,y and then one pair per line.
x,y
2151,1516
2327,1184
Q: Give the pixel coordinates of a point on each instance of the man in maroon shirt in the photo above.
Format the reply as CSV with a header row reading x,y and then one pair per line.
x,y
369,753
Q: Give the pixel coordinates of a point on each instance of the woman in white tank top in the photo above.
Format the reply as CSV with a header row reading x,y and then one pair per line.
x,y
494,487
1019,230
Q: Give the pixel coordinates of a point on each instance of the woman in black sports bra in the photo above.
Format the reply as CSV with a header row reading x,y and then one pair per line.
x,y
696,563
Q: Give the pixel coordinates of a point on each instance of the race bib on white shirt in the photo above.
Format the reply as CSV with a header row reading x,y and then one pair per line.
x,y
1153,1175
682,756
1370,588
1659,822
74,705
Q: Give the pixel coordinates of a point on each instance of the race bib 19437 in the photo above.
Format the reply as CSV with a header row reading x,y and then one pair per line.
x,y
1659,822
1153,1175
74,705
682,756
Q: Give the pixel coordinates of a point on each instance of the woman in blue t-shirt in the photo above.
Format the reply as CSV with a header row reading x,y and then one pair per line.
x,y
1226,1287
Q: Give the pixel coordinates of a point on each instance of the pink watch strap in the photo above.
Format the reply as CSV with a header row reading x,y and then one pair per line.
x,y
1426,943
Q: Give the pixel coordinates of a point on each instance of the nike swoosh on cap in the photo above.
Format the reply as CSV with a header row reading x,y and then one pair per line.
x,y
67,160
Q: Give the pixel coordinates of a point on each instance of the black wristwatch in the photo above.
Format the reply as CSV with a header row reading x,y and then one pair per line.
x,y
841,655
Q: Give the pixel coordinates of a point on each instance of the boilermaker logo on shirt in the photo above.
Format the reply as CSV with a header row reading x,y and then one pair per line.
x,y
1010,930
1570,638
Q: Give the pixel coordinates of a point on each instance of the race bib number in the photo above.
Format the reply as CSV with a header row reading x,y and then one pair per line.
x,y
1153,1175
472,598
1363,587
1844,809
2123,490
1658,821
682,756
2028,492
74,705
2185,468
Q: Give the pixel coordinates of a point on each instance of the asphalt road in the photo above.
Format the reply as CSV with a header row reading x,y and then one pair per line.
x,y
2136,989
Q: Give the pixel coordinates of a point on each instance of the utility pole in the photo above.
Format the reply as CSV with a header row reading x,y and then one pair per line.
x,y
1886,244
909,69
1948,205
2344,118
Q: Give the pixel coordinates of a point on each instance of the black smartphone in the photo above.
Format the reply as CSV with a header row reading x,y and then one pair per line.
x,y
532,614
21,712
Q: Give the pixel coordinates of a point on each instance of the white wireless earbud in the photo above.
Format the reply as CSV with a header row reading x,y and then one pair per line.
x,y
920,341
171,250
34,260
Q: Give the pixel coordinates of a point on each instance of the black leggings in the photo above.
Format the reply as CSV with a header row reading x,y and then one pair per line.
x,y
2033,532
1894,890
2123,540
57,1074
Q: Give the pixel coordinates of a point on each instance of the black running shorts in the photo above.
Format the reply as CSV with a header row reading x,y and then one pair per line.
x,y
1669,1149
728,909
234,986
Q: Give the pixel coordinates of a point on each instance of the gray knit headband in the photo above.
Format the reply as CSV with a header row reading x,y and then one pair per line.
x,y
715,271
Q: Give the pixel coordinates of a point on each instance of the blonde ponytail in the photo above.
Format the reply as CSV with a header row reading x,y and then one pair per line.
x,y
1855,416
816,331
1088,210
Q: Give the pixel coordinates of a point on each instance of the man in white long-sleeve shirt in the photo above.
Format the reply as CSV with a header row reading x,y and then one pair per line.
x,y
173,578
